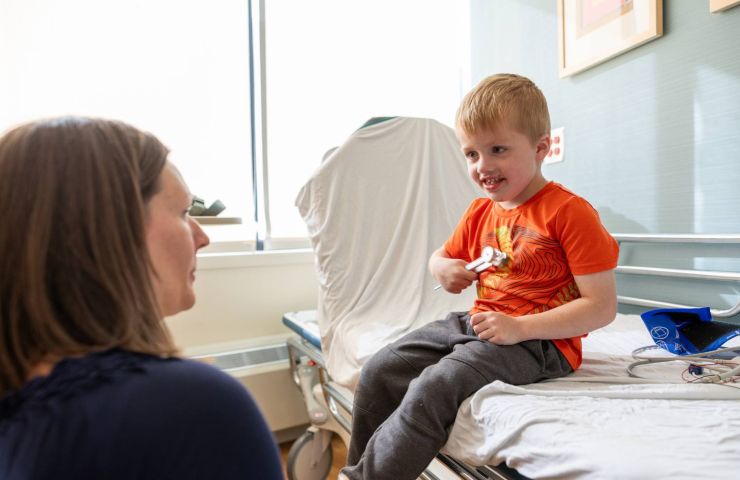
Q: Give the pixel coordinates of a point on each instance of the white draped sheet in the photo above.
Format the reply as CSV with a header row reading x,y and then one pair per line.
x,y
376,209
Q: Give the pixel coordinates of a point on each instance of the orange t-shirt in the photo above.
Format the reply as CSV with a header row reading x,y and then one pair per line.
x,y
548,239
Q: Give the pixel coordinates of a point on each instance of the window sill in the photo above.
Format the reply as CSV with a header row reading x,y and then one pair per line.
x,y
218,220
247,259
228,237
233,246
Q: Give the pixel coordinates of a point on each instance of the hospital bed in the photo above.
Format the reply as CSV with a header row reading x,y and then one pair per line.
x,y
396,188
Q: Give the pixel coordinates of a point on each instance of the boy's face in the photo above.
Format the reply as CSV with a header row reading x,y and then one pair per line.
x,y
505,164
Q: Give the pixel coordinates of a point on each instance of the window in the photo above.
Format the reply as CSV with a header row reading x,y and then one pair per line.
x,y
177,68
188,71
330,65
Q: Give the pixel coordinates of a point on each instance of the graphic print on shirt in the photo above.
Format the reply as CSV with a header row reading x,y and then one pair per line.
x,y
534,278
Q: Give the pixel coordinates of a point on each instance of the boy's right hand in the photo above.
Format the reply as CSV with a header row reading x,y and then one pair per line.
x,y
452,275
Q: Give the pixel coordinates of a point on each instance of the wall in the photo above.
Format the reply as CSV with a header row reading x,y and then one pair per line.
x,y
241,298
653,135
664,118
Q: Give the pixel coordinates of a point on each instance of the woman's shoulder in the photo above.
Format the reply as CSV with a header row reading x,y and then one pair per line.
x,y
177,371
140,413
71,379
202,414
190,383
113,377
161,381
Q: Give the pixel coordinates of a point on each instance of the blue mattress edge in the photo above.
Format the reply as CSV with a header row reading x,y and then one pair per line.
x,y
302,323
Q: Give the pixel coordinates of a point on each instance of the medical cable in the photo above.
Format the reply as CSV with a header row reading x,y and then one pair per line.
x,y
726,372
698,370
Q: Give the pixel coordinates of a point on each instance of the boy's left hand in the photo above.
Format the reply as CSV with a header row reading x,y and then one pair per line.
x,y
497,328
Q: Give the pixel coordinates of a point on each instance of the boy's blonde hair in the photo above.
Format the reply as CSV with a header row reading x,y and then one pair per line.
x,y
507,99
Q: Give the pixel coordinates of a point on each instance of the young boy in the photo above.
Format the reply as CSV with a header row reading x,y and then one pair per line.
x,y
556,285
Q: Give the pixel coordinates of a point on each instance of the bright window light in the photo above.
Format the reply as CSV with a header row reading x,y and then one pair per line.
x,y
333,64
177,68
180,69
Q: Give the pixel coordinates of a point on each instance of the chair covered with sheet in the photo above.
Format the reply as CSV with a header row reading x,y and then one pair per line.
x,y
375,210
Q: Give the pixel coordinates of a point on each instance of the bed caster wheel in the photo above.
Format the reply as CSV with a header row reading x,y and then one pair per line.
x,y
310,456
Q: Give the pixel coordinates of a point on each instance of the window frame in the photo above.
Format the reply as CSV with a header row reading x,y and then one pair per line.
x,y
262,237
260,188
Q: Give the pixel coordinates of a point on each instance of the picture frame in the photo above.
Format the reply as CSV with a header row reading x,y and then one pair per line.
x,y
719,5
593,31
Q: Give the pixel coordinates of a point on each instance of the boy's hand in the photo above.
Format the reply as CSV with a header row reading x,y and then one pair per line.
x,y
497,328
452,275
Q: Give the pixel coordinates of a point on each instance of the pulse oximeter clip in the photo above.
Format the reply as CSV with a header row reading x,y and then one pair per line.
x,y
489,257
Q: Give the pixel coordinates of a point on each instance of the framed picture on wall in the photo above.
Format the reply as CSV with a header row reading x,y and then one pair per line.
x,y
719,5
593,31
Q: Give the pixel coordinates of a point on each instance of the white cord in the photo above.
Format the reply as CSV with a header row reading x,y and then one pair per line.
x,y
722,376
636,353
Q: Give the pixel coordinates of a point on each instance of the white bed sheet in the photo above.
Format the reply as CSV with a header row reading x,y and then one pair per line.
x,y
584,427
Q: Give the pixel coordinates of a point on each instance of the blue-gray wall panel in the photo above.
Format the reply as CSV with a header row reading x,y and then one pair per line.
x,y
652,136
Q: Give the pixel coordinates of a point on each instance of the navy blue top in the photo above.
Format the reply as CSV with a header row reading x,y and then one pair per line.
x,y
122,415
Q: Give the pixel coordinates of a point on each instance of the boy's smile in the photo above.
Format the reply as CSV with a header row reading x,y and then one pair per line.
x,y
505,164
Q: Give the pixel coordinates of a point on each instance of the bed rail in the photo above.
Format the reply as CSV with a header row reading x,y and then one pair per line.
x,y
697,239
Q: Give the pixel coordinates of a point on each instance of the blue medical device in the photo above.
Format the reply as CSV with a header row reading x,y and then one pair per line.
x,y
687,331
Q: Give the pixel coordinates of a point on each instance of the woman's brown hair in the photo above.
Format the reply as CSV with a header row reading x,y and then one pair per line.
x,y
74,265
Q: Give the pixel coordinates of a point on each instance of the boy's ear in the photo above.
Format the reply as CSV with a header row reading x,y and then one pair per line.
x,y
542,147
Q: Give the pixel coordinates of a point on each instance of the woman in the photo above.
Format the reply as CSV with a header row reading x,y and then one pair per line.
x,y
96,248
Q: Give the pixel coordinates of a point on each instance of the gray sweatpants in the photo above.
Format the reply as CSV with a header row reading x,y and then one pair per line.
x,y
408,394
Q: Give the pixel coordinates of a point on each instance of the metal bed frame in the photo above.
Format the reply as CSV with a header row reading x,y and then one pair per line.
x,y
330,409
731,239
